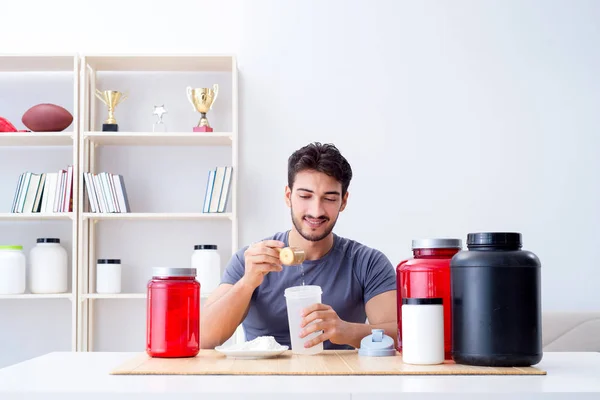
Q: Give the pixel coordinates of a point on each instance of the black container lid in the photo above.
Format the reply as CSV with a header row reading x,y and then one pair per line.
x,y
205,247
494,239
421,301
48,240
109,261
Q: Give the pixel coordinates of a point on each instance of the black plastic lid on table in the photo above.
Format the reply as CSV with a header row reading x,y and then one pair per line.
x,y
48,240
109,261
494,239
422,301
205,247
436,244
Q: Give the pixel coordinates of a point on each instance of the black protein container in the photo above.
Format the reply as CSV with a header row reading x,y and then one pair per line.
x,y
496,302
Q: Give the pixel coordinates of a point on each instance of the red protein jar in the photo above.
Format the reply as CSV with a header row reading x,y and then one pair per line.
x,y
173,313
427,275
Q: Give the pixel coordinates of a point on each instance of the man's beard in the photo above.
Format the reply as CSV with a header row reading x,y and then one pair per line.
x,y
313,238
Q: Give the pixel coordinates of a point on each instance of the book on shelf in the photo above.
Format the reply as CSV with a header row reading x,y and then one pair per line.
x,y
46,192
218,187
106,192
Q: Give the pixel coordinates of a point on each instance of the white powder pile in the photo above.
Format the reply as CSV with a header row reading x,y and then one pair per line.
x,y
261,343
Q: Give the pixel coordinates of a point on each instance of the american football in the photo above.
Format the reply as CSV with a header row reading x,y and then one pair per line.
x,y
47,117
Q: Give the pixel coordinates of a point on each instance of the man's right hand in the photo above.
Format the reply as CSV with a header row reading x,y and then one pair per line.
x,y
260,259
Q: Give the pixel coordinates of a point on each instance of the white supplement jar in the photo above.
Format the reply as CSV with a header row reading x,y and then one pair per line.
x,y
207,262
13,269
108,276
422,331
48,263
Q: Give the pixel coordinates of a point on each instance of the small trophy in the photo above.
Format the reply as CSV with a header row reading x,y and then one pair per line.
x,y
111,98
159,126
202,99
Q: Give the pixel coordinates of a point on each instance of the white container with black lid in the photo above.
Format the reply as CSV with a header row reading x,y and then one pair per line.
x,y
207,261
108,276
422,331
48,267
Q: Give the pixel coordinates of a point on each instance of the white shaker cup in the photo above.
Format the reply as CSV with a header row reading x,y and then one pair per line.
x,y
297,298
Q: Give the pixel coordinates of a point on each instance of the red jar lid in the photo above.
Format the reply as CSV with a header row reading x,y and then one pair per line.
x,y
437,244
174,272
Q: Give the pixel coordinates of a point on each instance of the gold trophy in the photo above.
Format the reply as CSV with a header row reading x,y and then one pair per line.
x,y
202,99
111,98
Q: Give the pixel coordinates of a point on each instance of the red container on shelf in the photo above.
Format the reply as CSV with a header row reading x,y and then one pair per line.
x,y
427,275
173,313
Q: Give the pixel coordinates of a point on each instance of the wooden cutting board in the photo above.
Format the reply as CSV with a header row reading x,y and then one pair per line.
x,y
330,362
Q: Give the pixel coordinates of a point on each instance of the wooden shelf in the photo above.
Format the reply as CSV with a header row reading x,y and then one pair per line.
x,y
37,63
35,216
162,63
36,139
160,139
30,296
156,216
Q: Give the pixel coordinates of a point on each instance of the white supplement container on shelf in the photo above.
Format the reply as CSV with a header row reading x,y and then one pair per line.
x,y
207,262
108,276
48,263
13,266
422,331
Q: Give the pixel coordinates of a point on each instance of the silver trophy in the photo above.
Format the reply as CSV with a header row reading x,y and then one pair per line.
x,y
159,126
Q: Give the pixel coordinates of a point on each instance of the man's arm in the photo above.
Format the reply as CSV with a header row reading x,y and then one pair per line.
x,y
224,311
377,275
228,306
381,314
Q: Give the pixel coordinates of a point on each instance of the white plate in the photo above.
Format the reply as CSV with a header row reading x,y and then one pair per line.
x,y
250,354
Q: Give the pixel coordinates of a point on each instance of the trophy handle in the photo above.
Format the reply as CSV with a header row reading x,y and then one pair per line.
x,y
99,96
122,98
189,96
216,90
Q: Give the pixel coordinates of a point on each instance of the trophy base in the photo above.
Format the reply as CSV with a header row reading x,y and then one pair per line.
x,y
110,128
159,128
203,129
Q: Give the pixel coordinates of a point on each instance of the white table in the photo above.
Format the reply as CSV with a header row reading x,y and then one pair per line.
x,y
85,376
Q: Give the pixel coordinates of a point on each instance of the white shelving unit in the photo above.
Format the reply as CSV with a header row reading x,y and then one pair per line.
x,y
87,145
94,69
41,72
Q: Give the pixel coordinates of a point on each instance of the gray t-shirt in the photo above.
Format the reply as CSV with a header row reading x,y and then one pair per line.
x,y
350,274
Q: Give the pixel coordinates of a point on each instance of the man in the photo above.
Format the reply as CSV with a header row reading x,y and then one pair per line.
x,y
358,282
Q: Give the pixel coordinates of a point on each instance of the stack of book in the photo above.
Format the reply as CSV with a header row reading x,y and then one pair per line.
x,y
106,192
50,192
217,190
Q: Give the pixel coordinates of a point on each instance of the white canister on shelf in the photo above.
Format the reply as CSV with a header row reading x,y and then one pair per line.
x,y
13,270
207,262
48,263
108,276
422,331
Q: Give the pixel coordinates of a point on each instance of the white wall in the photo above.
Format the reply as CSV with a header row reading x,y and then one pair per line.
x,y
456,117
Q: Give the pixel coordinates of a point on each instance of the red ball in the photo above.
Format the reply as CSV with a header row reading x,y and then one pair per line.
x,y
47,117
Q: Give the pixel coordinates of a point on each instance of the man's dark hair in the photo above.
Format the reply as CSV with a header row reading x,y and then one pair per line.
x,y
324,158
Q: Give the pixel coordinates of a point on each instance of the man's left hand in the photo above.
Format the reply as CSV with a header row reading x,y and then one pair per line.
x,y
327,320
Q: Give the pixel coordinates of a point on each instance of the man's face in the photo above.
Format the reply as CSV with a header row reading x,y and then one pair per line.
x,y
315,203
